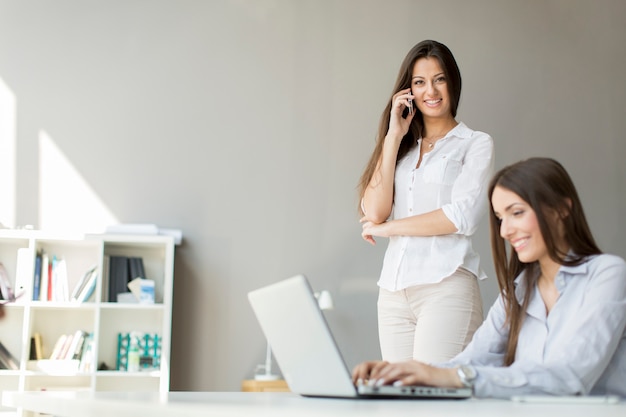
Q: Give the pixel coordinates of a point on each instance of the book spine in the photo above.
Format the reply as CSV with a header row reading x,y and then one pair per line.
x,y
78,293
118,276
38,346
80,345
66,346
37,277
44,287
89,287
86,359
58,347
62,280
50,287
54,279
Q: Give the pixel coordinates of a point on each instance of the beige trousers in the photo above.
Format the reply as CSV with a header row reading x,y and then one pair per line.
x,y
432,322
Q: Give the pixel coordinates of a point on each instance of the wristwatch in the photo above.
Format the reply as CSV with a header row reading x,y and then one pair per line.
x,y
467,374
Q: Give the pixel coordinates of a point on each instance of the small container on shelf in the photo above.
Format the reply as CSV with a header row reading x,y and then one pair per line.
x,y
138,351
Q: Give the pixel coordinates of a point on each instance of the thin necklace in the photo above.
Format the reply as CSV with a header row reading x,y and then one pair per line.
x,y
435,138
431,142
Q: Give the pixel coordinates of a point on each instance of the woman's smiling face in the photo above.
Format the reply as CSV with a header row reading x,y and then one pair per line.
x,y
519,225
430,88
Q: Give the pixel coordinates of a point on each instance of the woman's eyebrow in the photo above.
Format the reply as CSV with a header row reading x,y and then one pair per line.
x,y
434,76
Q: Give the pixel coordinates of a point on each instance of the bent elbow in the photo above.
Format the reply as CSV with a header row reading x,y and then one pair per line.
x,y
375,213
377,217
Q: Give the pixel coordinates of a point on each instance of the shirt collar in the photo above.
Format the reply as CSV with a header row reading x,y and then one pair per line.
x,y
461,131
564,272
575,269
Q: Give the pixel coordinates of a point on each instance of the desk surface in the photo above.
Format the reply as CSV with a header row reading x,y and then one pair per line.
x,y
278,404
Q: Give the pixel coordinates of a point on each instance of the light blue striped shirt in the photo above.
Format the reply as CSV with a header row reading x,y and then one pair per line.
x,y
579,348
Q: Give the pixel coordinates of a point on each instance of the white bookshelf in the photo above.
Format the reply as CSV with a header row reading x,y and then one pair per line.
x,y
105,319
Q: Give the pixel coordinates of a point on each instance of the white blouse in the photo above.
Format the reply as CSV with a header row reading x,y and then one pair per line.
x,y
453,176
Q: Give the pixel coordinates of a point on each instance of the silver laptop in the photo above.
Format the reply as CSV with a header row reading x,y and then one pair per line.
x,y
306,352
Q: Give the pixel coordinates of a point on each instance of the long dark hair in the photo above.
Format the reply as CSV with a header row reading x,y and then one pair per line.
x,y
546,186
424,49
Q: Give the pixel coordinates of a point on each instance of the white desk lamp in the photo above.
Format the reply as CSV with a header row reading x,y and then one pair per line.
x,y
325,301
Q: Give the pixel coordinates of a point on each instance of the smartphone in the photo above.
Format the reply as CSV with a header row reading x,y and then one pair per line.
x,y
408,109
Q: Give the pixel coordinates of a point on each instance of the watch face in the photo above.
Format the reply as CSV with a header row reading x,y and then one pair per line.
x,y
469,372
467,375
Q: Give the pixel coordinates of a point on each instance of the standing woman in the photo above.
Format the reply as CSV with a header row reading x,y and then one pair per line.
x,y
425,189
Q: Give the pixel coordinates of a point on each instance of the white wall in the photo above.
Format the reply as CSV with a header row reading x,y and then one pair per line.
x,y
246,123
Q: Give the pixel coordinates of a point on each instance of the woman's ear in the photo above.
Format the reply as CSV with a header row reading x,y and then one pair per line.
x,y
567,207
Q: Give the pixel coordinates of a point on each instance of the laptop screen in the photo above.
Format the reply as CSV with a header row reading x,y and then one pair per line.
x,y
303,345
306,351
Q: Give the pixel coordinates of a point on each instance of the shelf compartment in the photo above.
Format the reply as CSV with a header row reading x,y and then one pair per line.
x,y
52,321
116,319
79,256
153,254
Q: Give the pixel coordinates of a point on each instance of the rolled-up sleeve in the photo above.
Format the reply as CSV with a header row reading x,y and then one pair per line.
x,y
469,193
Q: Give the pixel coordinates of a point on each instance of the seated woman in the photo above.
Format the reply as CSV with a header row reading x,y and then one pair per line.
x,y
558,326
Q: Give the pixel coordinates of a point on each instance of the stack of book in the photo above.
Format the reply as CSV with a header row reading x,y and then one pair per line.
x,y
50,280
69,346
122,270
72,352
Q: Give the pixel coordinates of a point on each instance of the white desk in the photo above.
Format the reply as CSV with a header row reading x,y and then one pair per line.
x,y
278,404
